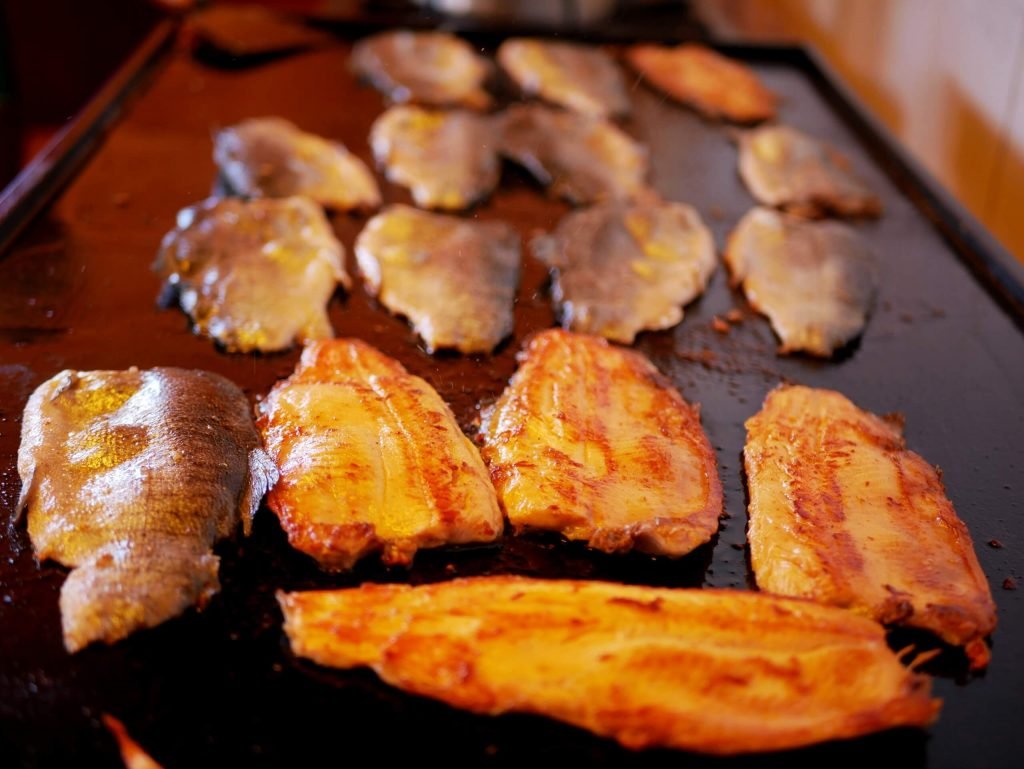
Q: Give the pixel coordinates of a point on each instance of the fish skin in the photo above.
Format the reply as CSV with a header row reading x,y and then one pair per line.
x,y
129,478
841,512
714,85
789,169
254,275
271,157
431,68
447,158
371,460
582,78
816,281
589,440
580,158
454,279
713,671
620,269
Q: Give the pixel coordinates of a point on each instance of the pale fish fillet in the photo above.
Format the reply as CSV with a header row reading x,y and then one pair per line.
x,y
454,279
447,158
371,460
270,157
620,269
129,477
254,275
789,169
712,671
816,281
581,78
842,513
589,440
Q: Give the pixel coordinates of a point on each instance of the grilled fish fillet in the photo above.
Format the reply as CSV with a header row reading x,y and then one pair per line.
x,y
786,168
712,84
129,477
714,671
842,513
270,157
619,269
455,279
432,68
581,78
254,275
591,441
447,159
371,459
580,158
816,281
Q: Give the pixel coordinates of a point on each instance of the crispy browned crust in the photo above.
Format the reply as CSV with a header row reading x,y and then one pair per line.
x,y
715,671
842,513
591,441
371,460
717,86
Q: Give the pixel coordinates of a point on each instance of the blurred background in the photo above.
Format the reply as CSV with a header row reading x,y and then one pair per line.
x,y
946,77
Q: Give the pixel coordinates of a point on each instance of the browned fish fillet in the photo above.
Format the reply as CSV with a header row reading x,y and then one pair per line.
x,y
717,86
371,459
842,513
129,477
578,77
816,281
591,441
447,159
619,269
132,754
270,157
454,279
714,671
580,158
432,68
254,275
786,168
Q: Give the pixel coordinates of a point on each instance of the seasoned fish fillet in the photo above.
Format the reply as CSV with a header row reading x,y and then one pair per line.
x,y
842,513
454,279
816,281
447,159
371,459
712,84
786,168
129,477
270,157
589,440
714,671
578,77
580,158
254,275
619,269
432,68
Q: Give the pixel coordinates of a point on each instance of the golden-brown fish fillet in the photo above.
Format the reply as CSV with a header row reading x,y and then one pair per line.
x,y
714,671
455,279
447,158
270,157
620,269
591,441
129,477
816,281
254,274
786,168
582,78
433,68
581,158
371,459
842,513
713,84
